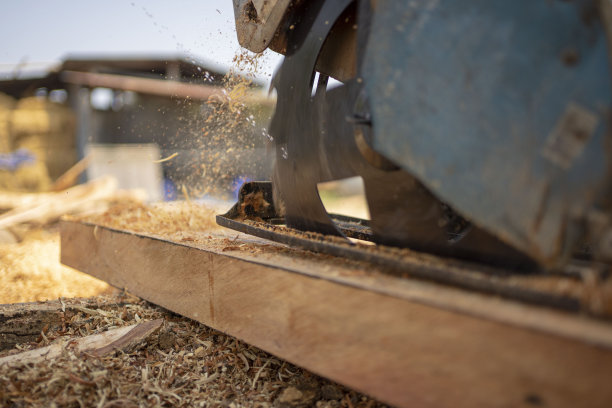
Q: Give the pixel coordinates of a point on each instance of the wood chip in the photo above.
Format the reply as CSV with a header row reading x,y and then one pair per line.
x,y
95,344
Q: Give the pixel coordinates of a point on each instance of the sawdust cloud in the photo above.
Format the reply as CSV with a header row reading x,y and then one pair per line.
x,y
231,140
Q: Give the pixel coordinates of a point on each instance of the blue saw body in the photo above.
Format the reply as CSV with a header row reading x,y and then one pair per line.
x,y
481,128
501,108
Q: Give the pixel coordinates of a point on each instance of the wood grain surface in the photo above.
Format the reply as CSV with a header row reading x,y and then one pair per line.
x,y
410,350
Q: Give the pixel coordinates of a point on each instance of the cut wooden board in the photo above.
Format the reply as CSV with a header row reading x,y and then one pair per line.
x,y
405,342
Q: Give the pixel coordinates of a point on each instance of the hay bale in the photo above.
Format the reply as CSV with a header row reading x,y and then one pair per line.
x,y
6,101
30,121
39,116
35,142
27,178
59,160
48,130
5,131
7,104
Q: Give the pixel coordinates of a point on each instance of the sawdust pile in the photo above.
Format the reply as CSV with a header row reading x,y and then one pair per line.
x,y
162,219
185,364
31,271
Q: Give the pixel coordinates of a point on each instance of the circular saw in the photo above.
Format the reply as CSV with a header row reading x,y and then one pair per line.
x,y
481,129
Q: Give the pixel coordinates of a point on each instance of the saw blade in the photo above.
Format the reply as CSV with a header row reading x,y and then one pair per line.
x,y
324,134
296,134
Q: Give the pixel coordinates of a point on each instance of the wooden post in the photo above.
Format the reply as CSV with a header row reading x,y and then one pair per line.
x,y
80,103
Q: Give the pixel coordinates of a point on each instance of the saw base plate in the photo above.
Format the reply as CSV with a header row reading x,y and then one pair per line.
x,y
254,214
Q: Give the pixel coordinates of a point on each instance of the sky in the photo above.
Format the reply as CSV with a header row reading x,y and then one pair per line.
x,y
45,31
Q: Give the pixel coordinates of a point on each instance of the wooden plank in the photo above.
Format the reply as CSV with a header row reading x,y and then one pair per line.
x,y
395,339
161,87
143,85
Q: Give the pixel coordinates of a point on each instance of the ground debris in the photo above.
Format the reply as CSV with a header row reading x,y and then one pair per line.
x,y
331,392
292,397
30,270
185,365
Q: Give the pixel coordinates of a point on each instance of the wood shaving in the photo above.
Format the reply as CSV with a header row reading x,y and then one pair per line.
x,y
165,219
30,271
185,365
165,159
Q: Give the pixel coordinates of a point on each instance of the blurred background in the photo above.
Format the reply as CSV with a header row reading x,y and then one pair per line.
x,y
118,103
104,104
155,93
